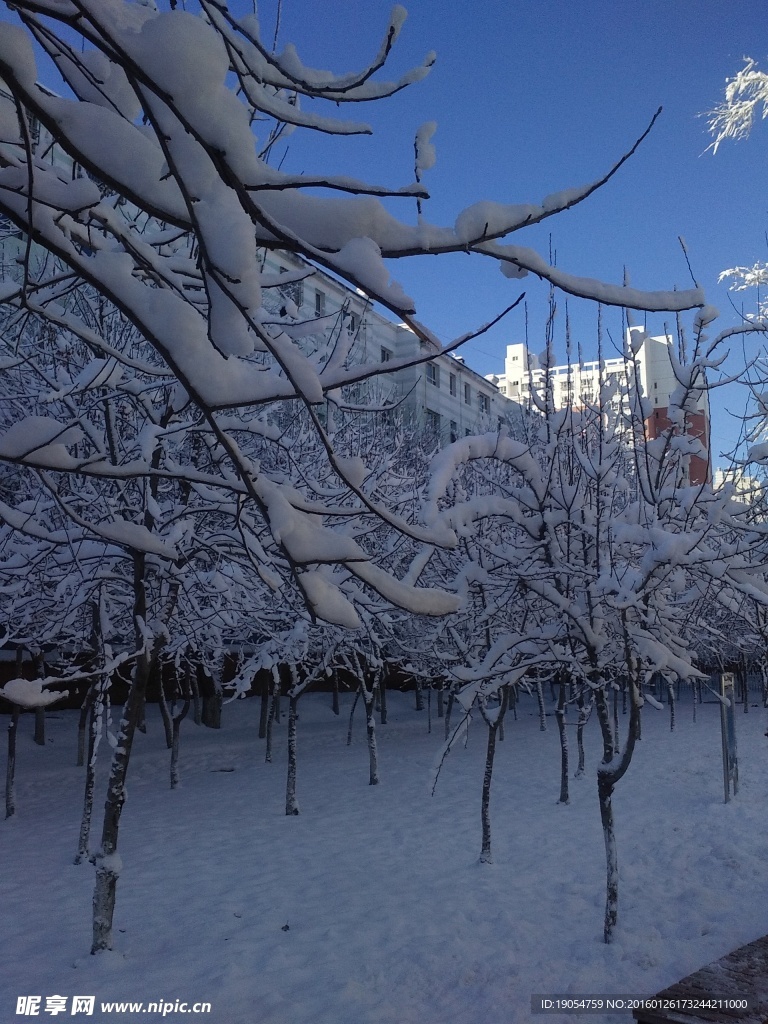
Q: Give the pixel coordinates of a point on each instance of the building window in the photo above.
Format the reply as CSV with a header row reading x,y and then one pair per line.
x,y
452,384
433,421
319,303
353,324
484,402
467,395
386,354
454,431
433,374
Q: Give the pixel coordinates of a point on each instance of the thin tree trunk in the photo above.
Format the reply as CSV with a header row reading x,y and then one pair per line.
x,y
441,698
264,712
609,773
485,803
335,679
542,710
291,803
39,733
176,734
370,723
141,725
561,706
10,768
197,709
419,693
107,859
351,717
605,796
448,710
82,723
745,682
585,710
94,735
165,714
429,709
271,715
672,706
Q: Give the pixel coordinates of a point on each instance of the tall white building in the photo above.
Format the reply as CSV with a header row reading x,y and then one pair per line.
x,y
579,383
443,394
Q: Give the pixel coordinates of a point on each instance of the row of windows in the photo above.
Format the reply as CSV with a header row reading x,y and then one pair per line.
x,y
294,292
434,421
433,378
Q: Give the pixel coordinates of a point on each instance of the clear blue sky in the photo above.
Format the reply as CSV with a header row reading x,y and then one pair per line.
x,y
532,96
537,95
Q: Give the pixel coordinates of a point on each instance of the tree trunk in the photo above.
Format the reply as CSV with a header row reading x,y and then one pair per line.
x,y
429,710
672,705
270,721
561,706
212,705
351,717
165,714
107,860
542,710
419,693
609,773
605,796
94,734
291,803
264,712
39,733
448,710
10,769
176,734
441,698
197,710
745,686
485,804
212,696
370,723
585,710
335,680
82,723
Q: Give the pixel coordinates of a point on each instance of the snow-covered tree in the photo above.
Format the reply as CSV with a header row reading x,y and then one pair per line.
x,y
146,194
608,544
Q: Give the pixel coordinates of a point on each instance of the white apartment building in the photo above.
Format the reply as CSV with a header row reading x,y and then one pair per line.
x,y
443,394
579,383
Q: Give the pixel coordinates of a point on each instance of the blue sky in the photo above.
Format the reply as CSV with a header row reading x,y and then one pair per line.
x,y
532,96
537,95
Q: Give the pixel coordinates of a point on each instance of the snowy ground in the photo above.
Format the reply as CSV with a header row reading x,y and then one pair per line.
x,y
391,919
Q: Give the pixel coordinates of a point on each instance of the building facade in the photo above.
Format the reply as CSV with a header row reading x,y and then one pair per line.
x,y
580,383
436,391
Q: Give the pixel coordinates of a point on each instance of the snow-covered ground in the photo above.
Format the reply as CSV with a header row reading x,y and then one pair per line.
x,y
371,907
